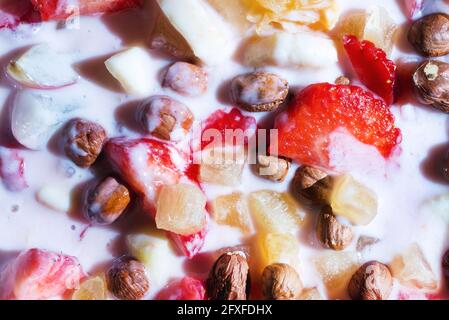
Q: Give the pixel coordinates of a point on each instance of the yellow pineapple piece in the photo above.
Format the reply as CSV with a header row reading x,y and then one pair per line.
x,y
353,201
233,11
181,209
91,289
275,212
279,248
412,269
232,210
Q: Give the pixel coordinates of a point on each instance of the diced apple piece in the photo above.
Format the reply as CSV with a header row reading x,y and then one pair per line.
x,y
42,67
133,69
35,117
304,49
232,210
56,197
375,25
279,248
198,35
93,288
222,166
181,209
336,269
353,201
275,212
412,269
310,294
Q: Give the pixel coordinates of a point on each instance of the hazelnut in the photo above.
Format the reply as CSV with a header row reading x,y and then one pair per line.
x,y
106,202
445,267
229,277
127,279
312,184
165,118
372,281
342,80
83,141
333,234
272,168
186,79
431,81
281,282
430,35
259,91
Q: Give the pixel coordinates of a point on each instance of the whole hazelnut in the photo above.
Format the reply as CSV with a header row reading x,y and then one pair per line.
x,y
281,282
186,79
126,279
165,118
372,281
431,81
259,91
445,267
83,141
331,232
106,202
430,35
272,168
312,184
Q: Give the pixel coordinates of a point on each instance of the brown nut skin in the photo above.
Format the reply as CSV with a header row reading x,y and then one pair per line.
x,y
259,91
312,185
281,282
445,267
83,141
431,81
372,281
430,35
126,279
331,233
229,277
186,79
106,202
272,168
165,118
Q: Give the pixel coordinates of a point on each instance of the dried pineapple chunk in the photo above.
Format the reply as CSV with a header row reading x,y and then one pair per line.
x,y
352,200
275,212
232,210
91,289
412,269
279,248
181,209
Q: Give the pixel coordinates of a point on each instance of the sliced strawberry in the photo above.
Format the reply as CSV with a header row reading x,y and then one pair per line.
x,y
12,168
227,124
320,109
63,9
14,12
372,66
39,274
186,288
189,245
146,165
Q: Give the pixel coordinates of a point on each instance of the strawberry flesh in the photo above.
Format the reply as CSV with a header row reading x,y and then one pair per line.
x,y
186,288
14,12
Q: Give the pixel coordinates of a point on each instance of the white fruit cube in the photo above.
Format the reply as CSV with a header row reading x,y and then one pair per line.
x,y
232,210
55,197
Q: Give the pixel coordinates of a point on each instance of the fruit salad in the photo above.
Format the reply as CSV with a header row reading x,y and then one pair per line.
x,y
224,150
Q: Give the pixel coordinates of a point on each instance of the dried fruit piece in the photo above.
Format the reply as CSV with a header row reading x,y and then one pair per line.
x,y
259,91
430,35
372,66
278,248
165,118
229,278
127,280
312,185
55,197
281,282
189,245
106,202
93,288
15,12
352,200
232,210
332,233
181,209
372,281
186,288
412,7
431,81
272,168
83,141
320,109
12,169
275,212
186,79
412,269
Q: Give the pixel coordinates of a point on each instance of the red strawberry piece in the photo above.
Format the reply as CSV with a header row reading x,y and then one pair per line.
x,y
223,125
12,168
63,9
146,165
189,245
186,288
39,274
372,66
316,112
14,12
